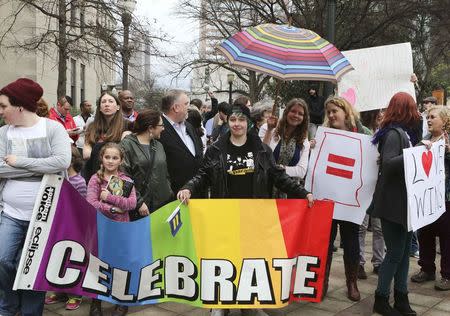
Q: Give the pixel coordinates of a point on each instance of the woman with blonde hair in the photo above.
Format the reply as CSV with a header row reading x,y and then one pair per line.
x,y
438,120
343,116
340,114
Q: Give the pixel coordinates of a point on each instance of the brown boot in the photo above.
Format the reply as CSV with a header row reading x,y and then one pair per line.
x,y
351,274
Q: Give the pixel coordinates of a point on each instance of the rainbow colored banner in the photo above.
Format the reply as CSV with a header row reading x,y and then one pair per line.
x,y
211,253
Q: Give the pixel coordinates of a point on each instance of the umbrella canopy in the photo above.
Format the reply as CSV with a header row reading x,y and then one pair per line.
x,y
285,52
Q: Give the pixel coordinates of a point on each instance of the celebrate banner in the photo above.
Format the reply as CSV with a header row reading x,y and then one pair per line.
x,y
212,253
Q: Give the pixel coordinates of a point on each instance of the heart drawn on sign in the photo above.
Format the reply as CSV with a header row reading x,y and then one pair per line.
x,y
349,95
427,161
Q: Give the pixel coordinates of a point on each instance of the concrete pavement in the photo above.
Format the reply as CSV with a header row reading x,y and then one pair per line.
x,y
423,297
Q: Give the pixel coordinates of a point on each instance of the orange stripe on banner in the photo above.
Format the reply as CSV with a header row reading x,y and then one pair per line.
x,y
262,236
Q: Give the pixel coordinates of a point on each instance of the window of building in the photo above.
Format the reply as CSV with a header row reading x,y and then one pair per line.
x,y
82,82
73,80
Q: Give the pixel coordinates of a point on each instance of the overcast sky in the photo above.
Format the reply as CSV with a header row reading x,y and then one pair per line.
x,y
181,32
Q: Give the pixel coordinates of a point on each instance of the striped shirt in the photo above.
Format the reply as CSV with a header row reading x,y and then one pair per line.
x,y
78,182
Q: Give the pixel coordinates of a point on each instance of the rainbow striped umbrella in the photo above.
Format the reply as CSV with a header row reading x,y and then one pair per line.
x,y
285,52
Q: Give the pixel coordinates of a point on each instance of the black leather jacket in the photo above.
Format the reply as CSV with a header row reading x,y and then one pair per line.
x,y
213,173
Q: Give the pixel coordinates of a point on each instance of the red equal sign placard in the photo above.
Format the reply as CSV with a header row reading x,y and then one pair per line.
x,y
340,160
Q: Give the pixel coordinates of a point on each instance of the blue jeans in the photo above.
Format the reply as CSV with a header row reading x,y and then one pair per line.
x,y
12,236
395,265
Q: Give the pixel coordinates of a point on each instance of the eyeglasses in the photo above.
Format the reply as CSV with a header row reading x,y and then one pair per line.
x,y
162,125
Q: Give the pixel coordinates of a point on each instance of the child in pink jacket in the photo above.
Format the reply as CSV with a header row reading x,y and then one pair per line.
x,y
115,207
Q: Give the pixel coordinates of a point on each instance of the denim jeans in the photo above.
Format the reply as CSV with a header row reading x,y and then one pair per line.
x,y
12,237
377,241
395,265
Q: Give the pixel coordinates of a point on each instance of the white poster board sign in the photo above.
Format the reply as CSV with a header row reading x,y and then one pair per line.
x,y
379,73
425,184
343,168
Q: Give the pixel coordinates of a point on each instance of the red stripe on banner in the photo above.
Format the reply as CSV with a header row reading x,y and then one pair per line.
x,y
339,172
341,160
307,231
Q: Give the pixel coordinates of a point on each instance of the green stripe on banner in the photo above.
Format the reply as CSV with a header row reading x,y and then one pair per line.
x,y
176,247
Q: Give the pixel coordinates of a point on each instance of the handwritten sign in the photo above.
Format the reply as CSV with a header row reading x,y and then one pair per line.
x,y
379,73
425,184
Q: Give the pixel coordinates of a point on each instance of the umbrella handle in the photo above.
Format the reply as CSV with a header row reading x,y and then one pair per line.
x,y
277,91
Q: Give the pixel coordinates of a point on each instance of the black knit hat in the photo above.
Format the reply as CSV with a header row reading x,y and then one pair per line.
x,y
240,110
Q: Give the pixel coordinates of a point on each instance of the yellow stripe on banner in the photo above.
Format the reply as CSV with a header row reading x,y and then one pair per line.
x,y
216,228
261,233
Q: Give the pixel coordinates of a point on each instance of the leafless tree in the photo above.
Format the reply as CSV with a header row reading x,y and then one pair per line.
x,y
359,24
83,29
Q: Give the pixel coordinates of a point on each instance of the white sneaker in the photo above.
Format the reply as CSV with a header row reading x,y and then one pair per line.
x,y
217,312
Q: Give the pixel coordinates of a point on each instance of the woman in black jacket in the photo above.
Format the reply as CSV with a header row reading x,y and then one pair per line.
x,y
145,163
398,130
239,165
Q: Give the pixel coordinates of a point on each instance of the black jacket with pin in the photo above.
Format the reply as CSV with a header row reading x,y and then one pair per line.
x,y
213,172
148,168
181,164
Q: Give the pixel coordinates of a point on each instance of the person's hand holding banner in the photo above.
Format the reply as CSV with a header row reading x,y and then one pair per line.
x,y
184,196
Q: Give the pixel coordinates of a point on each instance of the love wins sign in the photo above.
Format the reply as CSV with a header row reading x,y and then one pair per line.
x,y
425,184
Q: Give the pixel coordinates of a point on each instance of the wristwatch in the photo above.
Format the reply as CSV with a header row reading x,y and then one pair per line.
x,y
113,210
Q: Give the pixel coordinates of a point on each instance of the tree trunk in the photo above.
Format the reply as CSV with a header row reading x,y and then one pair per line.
x,y
62,50
126,20
252,87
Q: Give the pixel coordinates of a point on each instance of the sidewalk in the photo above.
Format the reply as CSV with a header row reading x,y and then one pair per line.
x,y
424,299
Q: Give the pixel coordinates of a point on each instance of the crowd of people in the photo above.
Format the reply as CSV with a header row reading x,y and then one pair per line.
x,y
183,149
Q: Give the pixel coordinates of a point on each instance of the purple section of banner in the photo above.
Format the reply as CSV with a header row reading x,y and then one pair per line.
x,y
75,219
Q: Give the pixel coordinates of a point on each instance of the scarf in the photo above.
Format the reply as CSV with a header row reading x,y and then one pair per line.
x,y
382,131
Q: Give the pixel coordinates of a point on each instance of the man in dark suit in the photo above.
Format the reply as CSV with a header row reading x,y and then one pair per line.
x,y
183,147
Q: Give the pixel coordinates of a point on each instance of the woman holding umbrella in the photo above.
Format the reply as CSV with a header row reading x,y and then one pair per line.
x,y
288,138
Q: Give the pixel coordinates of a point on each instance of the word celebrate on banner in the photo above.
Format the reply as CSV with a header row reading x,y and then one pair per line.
x,y
224,253
425,184
343,168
